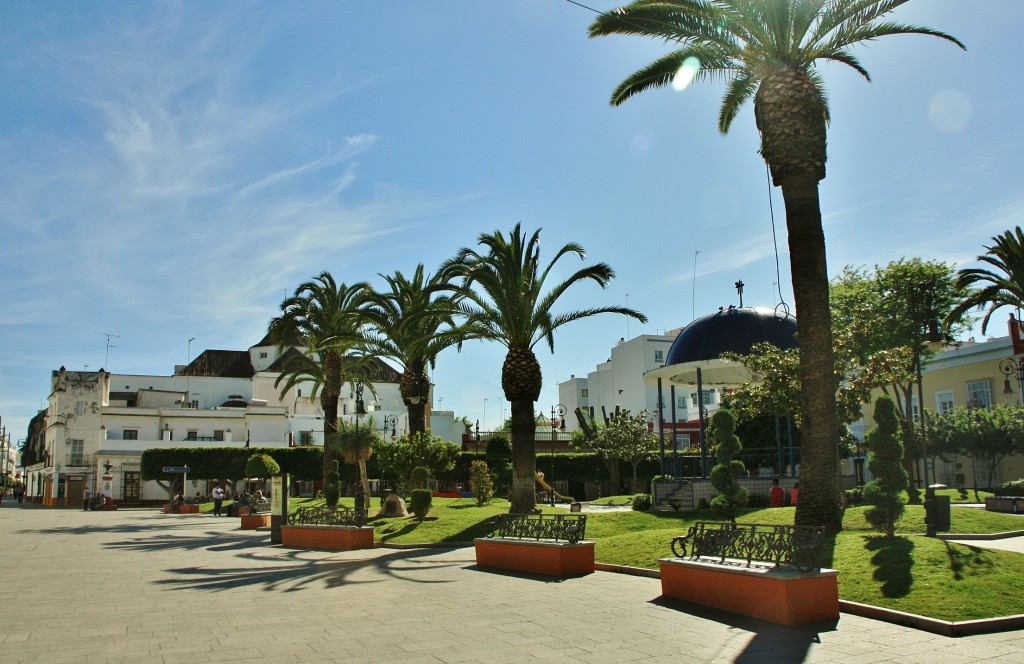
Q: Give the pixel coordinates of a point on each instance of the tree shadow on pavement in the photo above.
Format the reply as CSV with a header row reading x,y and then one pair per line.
x,y
771,642
292,570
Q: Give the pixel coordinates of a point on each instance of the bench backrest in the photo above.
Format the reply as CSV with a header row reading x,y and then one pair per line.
x,y
551,527
799,546
325,516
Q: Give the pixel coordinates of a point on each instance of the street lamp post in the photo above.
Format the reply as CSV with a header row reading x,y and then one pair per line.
x,y
360,498
393,421
478,436
1015,367
560,410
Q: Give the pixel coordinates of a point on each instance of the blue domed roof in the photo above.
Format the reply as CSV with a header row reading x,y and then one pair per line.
x,y
732,330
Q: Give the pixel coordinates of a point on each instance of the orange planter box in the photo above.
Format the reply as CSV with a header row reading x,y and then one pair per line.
x,y
339,538
182,509
778,594
547,558
254,521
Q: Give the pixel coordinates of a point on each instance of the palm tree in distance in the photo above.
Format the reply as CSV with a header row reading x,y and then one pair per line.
x,y
324,317
767,50
1002,285
508,300
411,324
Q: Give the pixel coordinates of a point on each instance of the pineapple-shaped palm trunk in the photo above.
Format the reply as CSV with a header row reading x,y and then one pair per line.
x,y
521,381
415,388
329,395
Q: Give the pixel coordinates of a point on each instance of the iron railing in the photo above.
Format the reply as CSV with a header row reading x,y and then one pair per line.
x,y
799,546
325,516
554,527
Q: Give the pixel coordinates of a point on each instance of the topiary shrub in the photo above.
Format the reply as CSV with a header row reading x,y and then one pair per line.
x,y
731,496
480,482
420,503
1012,488
758,500
499,448
261,466
885,463
332,490
419,478
642,502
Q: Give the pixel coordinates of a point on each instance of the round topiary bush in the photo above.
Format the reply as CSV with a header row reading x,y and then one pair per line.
x,y
642,502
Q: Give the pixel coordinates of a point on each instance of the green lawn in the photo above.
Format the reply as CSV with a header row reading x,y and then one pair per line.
x,y
908,572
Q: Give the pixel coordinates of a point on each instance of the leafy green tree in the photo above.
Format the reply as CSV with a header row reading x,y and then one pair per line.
x,y
731,496
885,463
898,306
398,459
986,435
627,438
325,318
1002,283
510,298
411,324
355,443
768,50
480,482
582,439
499,457
261,466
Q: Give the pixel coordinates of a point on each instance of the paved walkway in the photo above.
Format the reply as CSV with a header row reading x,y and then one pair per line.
x,y
140,586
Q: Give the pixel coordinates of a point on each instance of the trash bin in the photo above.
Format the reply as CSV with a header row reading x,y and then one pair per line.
x,y
937,513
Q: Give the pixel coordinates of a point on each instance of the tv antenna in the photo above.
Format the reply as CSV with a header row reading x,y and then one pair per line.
x,y
109,336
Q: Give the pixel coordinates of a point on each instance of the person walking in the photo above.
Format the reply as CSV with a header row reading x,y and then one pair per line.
x,y
218,499
86,495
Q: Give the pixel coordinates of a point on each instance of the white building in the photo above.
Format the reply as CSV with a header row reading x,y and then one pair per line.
x,y
97,424
618,383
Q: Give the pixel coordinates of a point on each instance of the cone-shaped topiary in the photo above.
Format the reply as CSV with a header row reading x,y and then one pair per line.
x,y
731,496
332,490
885,463
480,482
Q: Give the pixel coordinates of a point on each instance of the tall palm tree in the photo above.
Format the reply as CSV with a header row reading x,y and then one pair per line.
x,y
324,317
767,50
1002,285
508,300
411,324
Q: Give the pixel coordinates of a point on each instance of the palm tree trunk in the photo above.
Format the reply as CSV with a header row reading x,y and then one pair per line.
x,y
329,396
524,457
819,503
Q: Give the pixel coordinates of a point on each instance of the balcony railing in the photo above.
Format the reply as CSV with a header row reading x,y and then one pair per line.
x,y
78,460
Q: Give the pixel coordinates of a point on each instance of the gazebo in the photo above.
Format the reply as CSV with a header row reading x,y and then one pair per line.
x,y
694,359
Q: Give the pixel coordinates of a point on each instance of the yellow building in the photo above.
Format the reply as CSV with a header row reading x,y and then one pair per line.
x,y
968,375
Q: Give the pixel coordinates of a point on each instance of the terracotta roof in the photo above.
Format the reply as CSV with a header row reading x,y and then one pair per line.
x,y
220,364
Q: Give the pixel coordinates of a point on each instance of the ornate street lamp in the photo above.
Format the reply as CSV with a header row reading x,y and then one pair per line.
x,y
393,421
1012,366
560,410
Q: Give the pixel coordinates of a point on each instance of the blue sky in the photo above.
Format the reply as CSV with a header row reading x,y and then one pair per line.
x,y
171,170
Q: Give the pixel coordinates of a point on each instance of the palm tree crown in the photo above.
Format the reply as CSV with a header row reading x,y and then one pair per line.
x,y
325,317
508,299
1002,285
411,324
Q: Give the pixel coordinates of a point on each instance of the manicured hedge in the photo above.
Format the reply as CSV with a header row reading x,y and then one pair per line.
x,y
211,463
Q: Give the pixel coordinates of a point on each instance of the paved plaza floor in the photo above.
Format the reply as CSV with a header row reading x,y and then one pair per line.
x,y
141,586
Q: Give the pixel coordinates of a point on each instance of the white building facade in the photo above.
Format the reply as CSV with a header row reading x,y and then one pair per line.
x,y
97,424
